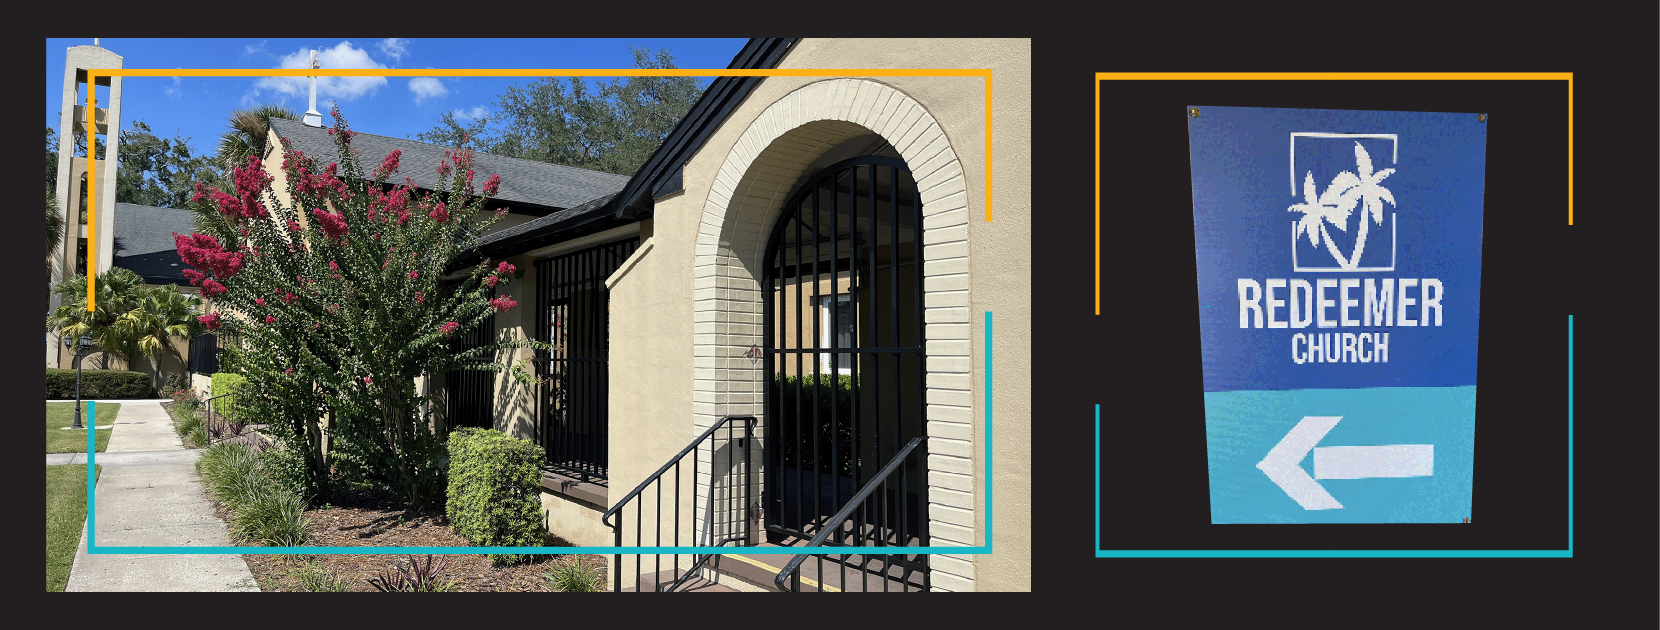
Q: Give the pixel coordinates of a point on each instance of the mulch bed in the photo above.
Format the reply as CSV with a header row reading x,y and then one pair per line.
x,y
378,519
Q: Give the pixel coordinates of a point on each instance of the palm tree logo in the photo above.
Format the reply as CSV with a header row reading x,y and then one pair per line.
x,y
1333,206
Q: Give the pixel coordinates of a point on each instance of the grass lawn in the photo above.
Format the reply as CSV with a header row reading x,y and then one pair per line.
x,y
60,415
65,515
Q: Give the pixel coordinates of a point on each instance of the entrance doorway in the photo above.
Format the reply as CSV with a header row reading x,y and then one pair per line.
x,y
845,391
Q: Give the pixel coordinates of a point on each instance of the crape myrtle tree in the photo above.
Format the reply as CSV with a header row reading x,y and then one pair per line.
x,y
336,306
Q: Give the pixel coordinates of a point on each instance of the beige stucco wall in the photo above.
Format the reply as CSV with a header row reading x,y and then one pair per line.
x,y
576,522
980,266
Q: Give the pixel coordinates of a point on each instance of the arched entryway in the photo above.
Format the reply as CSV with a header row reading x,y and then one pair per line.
x,y
797,137
845,355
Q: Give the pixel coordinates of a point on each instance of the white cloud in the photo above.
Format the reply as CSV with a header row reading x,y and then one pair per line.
x,y
250,49
427,87
174,91
342,56
472,114
394,47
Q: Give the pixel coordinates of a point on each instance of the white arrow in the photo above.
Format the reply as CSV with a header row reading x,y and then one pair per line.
x,y
1283,465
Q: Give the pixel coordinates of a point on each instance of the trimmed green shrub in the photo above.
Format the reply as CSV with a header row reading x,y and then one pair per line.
x,y
230,407
60,384
832,395
495,491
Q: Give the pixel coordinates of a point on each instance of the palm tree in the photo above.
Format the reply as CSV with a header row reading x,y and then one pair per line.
x,y
118,290
249,129
1365,189
54,232
1318,209
156,315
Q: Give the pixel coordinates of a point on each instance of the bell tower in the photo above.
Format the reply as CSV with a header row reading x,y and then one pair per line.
x,y
73,171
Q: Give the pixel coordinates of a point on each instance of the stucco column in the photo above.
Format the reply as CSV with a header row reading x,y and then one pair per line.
x,y
515,404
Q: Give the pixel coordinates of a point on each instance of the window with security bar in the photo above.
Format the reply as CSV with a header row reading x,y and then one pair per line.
x,y
573,316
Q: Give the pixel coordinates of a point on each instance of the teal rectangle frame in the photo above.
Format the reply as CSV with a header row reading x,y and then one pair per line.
x,y
1353,553
93,548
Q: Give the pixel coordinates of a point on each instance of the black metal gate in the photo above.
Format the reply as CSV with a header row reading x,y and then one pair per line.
x,y
471,394
204,354
844,337
573,315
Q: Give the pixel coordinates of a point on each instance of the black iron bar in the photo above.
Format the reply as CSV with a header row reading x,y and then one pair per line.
x,y
800,377
834,311
853,295
676,506
898,418
817,376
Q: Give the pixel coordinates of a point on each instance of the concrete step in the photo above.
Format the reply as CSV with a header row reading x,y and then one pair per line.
x,y
855,573
650,582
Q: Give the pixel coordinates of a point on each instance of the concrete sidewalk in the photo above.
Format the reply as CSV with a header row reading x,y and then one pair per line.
x,y
148,495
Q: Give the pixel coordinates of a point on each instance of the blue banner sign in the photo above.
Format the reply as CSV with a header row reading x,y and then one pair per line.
x,y
1339,260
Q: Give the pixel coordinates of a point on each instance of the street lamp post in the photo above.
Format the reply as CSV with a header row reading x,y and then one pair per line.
x,y
80,349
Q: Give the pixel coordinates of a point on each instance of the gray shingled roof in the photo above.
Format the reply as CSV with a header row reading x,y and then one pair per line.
x,y
562,216
522,181
146,238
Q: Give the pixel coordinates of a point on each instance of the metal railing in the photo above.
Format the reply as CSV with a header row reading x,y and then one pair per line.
x,y
717,507
854,513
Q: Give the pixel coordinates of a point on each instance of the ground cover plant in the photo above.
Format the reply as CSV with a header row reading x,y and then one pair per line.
x,y
576,575
335,305
65,518
261,511
363,516
60,415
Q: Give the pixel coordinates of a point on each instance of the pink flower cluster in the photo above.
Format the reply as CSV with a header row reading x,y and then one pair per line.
x,y
210,320
204,252
395,200
334,225
503,304
321,182
492,185
270,319
448,327
388,166
250,180
212,289
439,214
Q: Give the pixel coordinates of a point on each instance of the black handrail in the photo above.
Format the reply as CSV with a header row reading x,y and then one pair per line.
x,y
656,478
793,567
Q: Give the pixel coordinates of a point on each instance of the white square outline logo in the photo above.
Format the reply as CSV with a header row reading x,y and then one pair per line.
x,y
1394,156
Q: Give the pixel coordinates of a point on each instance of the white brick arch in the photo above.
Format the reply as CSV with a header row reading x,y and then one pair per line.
x,y
745,200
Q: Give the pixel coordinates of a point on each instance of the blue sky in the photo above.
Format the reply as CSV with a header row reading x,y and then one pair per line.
x,y
197,107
